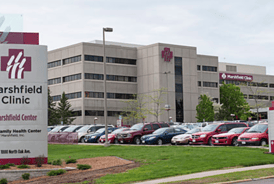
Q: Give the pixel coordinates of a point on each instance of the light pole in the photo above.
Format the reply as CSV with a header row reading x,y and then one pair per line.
x,y
95,120
107,29
167,106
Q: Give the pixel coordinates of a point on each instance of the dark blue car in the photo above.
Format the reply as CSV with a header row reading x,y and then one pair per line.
x,y
162,135
94,137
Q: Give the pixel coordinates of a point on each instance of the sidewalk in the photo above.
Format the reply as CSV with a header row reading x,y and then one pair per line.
x,y
204,174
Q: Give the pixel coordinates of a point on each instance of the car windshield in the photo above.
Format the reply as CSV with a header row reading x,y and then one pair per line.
x,y
259,128
160,131
210,128
195,130
236,130
118,130
56,129
70,129
83,129
101,130
137,127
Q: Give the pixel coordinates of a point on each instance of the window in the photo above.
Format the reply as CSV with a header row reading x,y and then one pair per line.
x,y
54,64
265,85
198,67
230,126
199,83
241,125
178,88
148,127
155,126
76,113
271,85
245,96
71,60
210,84
94,76
54,81
215,100
114,113
94,113
271,98
164,125
56,98
178,61
93,58
223,128
120,96
89,94
178,70
72,77
170,130
210,68
177,130
74,95
121,61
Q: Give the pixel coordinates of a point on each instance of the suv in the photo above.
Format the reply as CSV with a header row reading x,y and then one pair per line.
x,y
134,134
205,137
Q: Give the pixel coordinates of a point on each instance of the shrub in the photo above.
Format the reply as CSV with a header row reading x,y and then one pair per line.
x,y
25,160
26,176
56,172
9,164
39,160
71,160
57,162
3,181
49,162
83,166
4,166
23,166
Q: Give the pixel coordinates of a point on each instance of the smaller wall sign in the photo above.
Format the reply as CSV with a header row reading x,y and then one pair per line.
x,y
167,54
238,77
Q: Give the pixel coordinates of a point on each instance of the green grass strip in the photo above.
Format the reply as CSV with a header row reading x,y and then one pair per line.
x,y
164,161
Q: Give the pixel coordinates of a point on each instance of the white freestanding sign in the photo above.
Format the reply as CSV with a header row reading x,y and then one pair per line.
x,y
23,102
271,129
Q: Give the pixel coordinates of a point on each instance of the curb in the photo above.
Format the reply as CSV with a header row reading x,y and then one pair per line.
x,y
245,180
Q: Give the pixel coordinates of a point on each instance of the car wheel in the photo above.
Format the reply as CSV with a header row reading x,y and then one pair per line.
x,y
160,142
137,140
210,142
235,142
82,140
263,142
116,141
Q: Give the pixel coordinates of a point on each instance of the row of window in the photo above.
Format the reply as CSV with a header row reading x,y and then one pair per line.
x,y
121,61
259,84
93,58
110,77
54,81
101,113
208,84
71,60
90,94
76,113
207,68
74,95
72,77
260,97
54,64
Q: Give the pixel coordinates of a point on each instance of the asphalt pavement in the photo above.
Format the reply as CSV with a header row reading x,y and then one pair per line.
x,y
259,181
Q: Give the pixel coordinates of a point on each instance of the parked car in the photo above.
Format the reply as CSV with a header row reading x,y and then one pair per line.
x,y
162,135
58,129
73,128
50,128
88,129
256,135
112,138
229,138
184,138
134,134
94,137
205,137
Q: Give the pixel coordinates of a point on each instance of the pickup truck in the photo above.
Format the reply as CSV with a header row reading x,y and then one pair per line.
x,y
134,134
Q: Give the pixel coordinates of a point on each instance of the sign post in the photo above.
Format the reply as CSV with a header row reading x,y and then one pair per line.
x,y
23,103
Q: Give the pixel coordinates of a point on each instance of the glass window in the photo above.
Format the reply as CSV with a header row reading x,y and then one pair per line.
x,y
155,126
170,130
223,128
199,67
148,127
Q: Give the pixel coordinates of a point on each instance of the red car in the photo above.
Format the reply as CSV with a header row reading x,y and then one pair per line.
x,y
205,137
256,135
229,138
112,138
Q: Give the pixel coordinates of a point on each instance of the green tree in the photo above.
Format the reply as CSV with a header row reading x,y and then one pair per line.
x,y
64,111
157,100
53,118
205,111
233,102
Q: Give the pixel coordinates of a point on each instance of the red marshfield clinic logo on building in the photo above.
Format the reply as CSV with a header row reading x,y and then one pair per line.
x,y
16,64
167,54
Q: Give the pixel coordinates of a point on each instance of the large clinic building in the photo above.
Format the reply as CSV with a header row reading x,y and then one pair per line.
x,y
141,69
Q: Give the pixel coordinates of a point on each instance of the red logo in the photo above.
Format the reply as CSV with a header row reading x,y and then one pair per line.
x,y
167,54
16,64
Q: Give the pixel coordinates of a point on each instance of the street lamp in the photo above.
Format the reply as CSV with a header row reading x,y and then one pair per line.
x,y
167,106
95,120
107,29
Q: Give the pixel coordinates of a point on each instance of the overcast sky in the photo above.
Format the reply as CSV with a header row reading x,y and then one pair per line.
x,y
235,31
